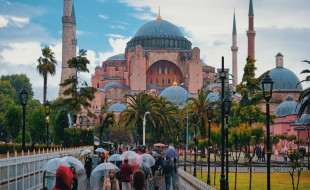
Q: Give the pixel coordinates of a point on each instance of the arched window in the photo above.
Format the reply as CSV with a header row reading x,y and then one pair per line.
x,y
168,81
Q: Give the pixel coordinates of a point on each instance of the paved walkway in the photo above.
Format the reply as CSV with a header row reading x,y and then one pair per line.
x,y
96,183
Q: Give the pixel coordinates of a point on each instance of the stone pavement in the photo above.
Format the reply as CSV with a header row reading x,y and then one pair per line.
x,y
96,183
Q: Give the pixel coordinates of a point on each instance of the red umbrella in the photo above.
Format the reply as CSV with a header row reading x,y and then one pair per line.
x,y
159,144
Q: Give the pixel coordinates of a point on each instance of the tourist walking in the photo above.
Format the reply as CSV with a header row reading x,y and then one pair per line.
x,y
156,179
88,166
145,167
258,153
63,178
101,158
285,153
75,182
111,183
276,155
263,155
167,172
138,180
126,172
175,175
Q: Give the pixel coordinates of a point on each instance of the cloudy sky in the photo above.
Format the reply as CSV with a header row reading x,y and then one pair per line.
x,y
105,26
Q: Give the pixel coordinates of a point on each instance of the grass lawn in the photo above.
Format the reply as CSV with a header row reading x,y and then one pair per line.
x,y
259,180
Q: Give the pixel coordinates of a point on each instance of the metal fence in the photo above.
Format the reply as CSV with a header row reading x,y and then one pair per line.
x,y
25,172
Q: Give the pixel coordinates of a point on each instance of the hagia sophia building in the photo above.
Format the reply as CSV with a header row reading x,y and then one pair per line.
x,y
160,60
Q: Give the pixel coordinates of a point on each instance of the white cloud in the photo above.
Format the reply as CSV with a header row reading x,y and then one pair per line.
x,y
82,33
118,27
115,35
3,21
104,17
14,21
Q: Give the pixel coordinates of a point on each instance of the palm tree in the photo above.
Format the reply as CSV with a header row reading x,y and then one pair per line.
x,y
47,65
304,97
138,105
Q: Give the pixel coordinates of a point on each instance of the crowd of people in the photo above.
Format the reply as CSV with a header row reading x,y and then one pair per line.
x,y
162,175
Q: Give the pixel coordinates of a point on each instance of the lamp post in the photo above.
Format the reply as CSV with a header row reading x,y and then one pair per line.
x,y
195,120
23,97
177,128
74,117
267,85
222,78
209,112
47,107
63,117
308,128
186,135
101,126
227,105
81,122
144,121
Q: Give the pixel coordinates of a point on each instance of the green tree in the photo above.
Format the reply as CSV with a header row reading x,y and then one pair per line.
x,y
18,82
37,126
13,119
7,94
47,65
77,96
304,97
295,162
137,106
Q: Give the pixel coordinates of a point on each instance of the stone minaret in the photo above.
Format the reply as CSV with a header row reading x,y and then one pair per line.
x,y
234,50
68,42
251,32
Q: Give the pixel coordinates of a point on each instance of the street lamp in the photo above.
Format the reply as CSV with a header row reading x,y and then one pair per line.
x,y
23,97
195,120
267,85
144,121
209,112
101,126
177,128
186,135
47,107
74,117
227,105
63,117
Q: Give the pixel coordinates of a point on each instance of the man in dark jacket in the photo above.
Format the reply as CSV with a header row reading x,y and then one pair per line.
x,y
88,165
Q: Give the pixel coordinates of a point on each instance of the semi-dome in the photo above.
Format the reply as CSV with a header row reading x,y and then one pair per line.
x,y
117,107
284,80
213,97
117,57
175,94
159,34
98,67
289,107
303,120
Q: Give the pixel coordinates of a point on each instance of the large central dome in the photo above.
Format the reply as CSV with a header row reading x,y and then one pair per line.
x,y
159,34
159,28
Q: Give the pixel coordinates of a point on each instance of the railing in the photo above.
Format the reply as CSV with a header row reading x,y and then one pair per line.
x,y
190,182
25,172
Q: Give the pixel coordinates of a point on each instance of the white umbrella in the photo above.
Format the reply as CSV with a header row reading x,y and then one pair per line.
x,y
115,158
100,150
130,155
74,162
149,159
86,151
103,169
53,164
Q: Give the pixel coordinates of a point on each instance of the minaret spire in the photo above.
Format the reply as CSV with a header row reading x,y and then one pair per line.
x,y
234,50
68,42
251,32
158,16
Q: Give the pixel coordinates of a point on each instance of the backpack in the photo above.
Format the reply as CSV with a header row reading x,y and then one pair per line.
x,y
146,172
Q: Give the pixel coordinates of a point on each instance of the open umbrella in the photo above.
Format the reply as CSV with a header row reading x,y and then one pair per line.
x,y
149,159
74,162
100,150
159,144
171,153
103,169
53,164
130,155
86,151
115,158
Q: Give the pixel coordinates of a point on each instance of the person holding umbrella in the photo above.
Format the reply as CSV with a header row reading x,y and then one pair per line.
x,y
111,183
126,172
75,181
88,165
